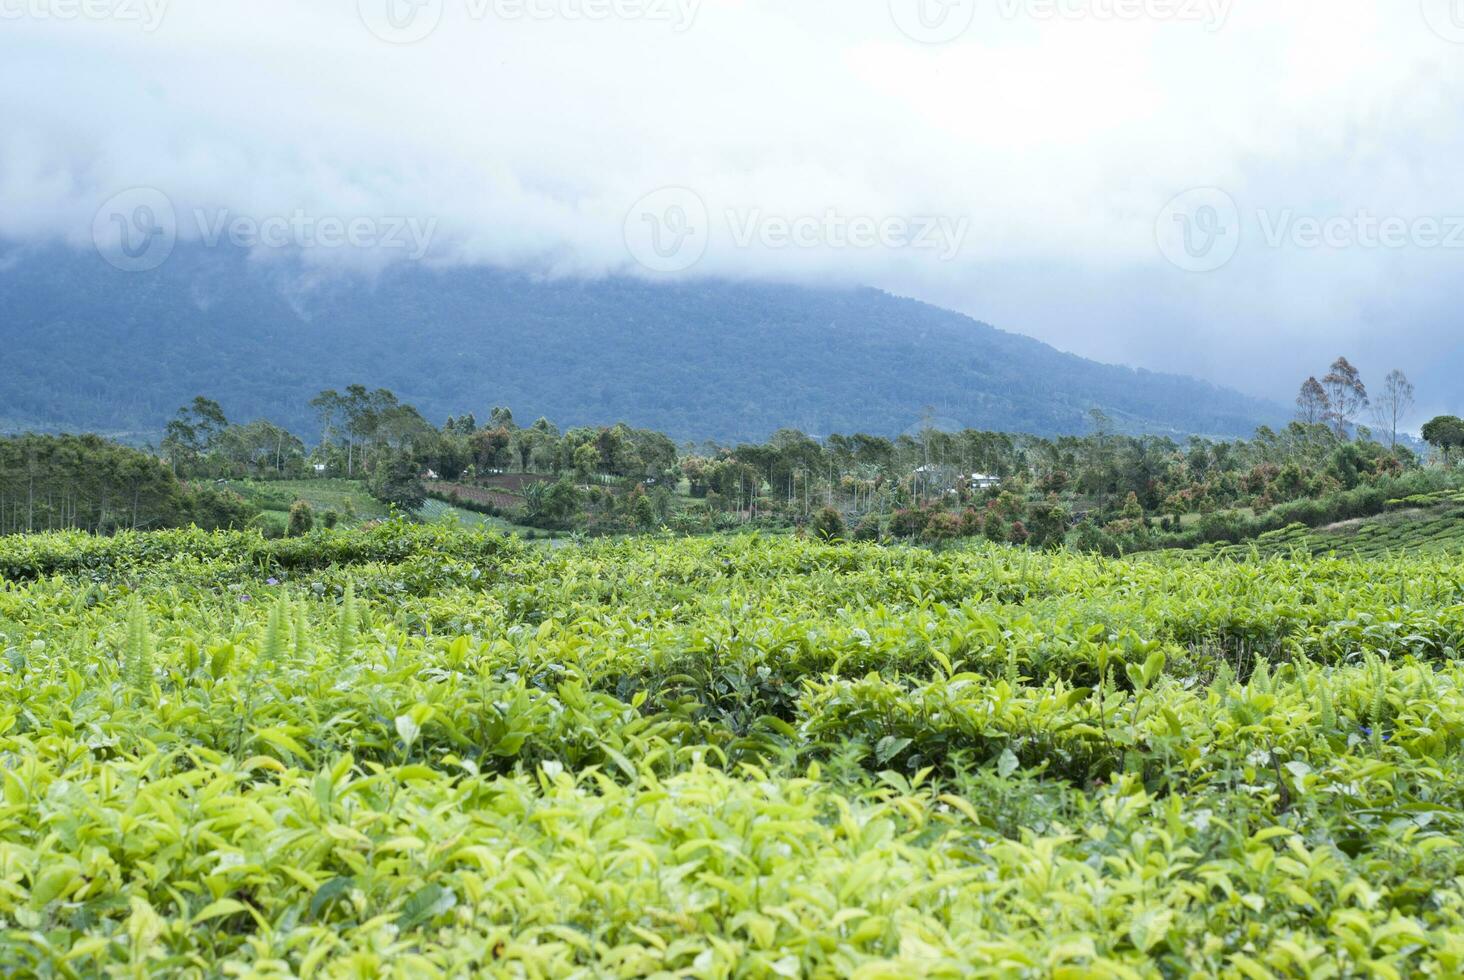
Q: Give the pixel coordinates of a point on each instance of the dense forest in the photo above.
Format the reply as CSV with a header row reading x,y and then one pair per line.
x,y
732,361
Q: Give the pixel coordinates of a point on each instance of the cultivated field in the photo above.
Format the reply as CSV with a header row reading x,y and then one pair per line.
x,y
1427,524
419,751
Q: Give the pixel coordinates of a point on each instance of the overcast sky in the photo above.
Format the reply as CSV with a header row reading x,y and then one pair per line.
x,y
1238,189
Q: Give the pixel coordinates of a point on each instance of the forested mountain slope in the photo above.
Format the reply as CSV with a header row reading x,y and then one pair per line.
x,y
89,347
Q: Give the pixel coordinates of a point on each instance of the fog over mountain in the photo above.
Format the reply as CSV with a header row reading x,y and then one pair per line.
x,y
1235,189
722,359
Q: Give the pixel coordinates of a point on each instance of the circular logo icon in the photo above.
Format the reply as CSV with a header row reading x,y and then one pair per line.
x,y
135,231
933,21
400,21
1199,230
668,230
1446,18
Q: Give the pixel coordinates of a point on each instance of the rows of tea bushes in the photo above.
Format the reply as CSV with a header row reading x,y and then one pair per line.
x,y
24,557
1411,532
421,751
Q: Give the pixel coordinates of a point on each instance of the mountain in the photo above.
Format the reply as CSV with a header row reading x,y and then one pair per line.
x,y
90,347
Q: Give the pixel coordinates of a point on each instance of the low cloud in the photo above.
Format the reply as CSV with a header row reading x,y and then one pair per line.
x,y
1036,147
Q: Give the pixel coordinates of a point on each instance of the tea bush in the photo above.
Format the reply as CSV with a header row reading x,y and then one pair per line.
x,y
418,751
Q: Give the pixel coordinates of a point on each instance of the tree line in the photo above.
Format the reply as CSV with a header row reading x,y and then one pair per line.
x,y
52,483
1001,485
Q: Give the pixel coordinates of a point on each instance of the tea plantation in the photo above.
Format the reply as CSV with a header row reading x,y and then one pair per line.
x,y
1430,523
415,751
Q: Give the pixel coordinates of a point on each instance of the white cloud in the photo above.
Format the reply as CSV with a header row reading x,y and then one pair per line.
x,y
1058,139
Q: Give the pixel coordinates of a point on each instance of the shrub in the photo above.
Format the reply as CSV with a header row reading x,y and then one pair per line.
x,y
1019,533
1046,522
868,528
302,519
269,527
827,525
995,526
1089,538
391,744
942,526
908,523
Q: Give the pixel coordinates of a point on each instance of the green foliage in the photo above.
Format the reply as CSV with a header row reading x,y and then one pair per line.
x,y
909,523
1438,532
137,656
425,751
396,482
88,483
827,525
1445,433
618,479
868,528
302,519
550,505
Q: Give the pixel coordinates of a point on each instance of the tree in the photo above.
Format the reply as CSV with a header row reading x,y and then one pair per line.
x,y
463,425
910,522
395,481
260,447
695,469
586,461
193,431
550,504
490,448
1446,434
1346,394
942,527
358,414
1046,523
1019,533
1395,402
524,442
642,510
995,526
398,426
330,408
88,483
1312,405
